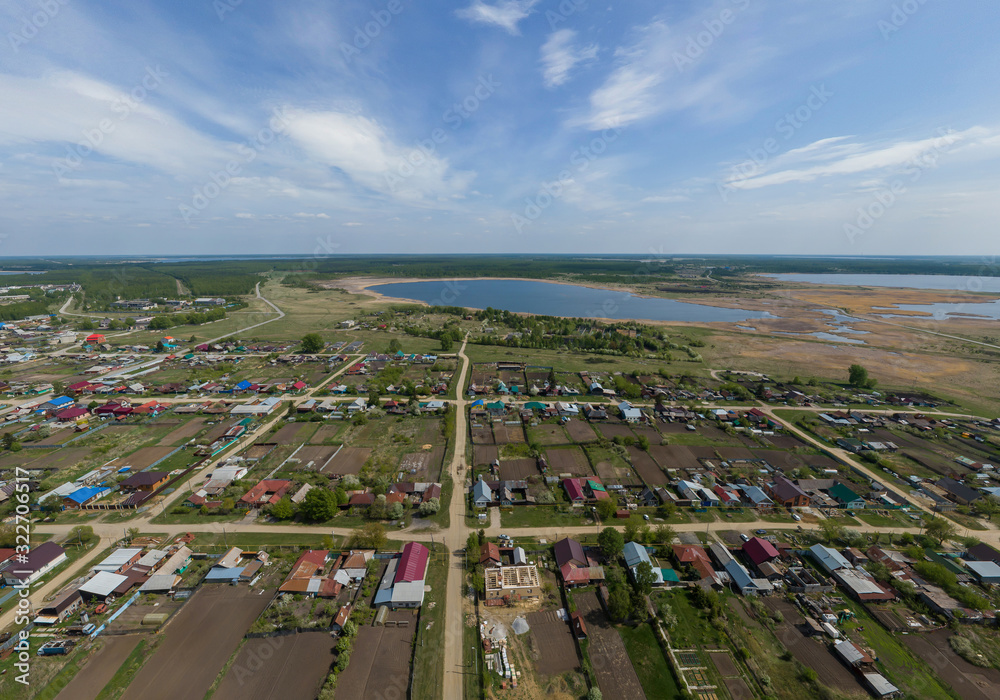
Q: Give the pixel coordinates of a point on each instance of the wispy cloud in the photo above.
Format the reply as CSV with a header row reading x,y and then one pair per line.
x,y
505,13
841,156
559,57
360,148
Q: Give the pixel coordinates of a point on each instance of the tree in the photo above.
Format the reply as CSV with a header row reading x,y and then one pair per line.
x,y
633,527
160,346
611,541
395,346
606,508
858,376
430,506
619,604
831,530
986,507
81,534
939,530
395,511
8,441
643,443
644,578
132,533
285,509
664,534
594,694
370,536
312,343
319,505
446,343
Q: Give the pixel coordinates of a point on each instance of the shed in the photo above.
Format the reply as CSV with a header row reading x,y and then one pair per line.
x,y
102,585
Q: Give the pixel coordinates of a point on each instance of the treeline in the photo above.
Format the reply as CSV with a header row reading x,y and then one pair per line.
x,y
217,279
20,309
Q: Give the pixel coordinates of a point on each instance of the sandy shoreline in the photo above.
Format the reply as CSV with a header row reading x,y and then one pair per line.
x,y
361,285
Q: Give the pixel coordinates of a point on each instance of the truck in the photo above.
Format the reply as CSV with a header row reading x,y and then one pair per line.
x,y
55,648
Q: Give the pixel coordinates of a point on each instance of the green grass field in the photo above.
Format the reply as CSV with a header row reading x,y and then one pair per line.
x,y
654,673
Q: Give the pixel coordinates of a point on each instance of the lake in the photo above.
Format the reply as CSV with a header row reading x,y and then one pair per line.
x,y
567,300
951,283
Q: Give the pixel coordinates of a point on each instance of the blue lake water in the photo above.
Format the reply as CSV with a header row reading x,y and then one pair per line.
x,y
550,299
952,283
22,272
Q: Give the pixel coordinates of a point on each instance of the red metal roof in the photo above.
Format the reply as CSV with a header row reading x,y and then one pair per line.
x,y
412,563
760,550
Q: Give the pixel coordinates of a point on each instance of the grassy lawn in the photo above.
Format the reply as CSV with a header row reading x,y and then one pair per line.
x,y
254,540
644,651
894,519
428,647
540,516
966,521
901,667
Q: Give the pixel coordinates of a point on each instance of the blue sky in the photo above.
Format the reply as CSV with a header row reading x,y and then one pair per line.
x,y
741,126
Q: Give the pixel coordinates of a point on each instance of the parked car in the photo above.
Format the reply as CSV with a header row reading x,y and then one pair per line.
x,y
744,537
796,517
761,532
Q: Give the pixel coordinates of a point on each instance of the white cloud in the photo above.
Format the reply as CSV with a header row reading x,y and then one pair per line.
x,y
89,115
505,14
352,223
839,156
244,215
559,57
304,215
362,150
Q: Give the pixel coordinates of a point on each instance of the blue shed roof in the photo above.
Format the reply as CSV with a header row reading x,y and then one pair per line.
x,y
219,573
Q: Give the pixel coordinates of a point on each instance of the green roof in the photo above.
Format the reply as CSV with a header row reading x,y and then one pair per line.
x,y
669,575
595,485
843,494
535,406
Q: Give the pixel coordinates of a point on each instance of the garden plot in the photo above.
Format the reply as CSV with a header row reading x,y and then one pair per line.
x,y
482,434
100,668
518,469
554,640
183,432
674,457
568,460
218,430
314,457
580,431
646,467
786,461
348,461
143,458
60,459
970,682
423,466
380,661
506,434
548,434
735,454
291,667
612,666
294,433
484,455
613,430
785,442
326,434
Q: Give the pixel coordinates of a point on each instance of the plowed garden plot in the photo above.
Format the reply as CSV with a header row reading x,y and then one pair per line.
x,y
569,460
90,681
970,682
821,462
380,663
651,434
314,457
482,435
674,456
580,431
325,435
293,667
504,434
423,466
724,664
781,460
713,433
554,641
811,652
348,461
647,469
484,454
60,459
183,433
57,438
143,457
615,674
517,469
785,442
548,434
613,430
199,640
738,689
294,433
218,430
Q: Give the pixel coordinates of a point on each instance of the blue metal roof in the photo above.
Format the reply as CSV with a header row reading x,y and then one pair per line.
x,y
219,573
243,385
60,401
85,494
634,554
